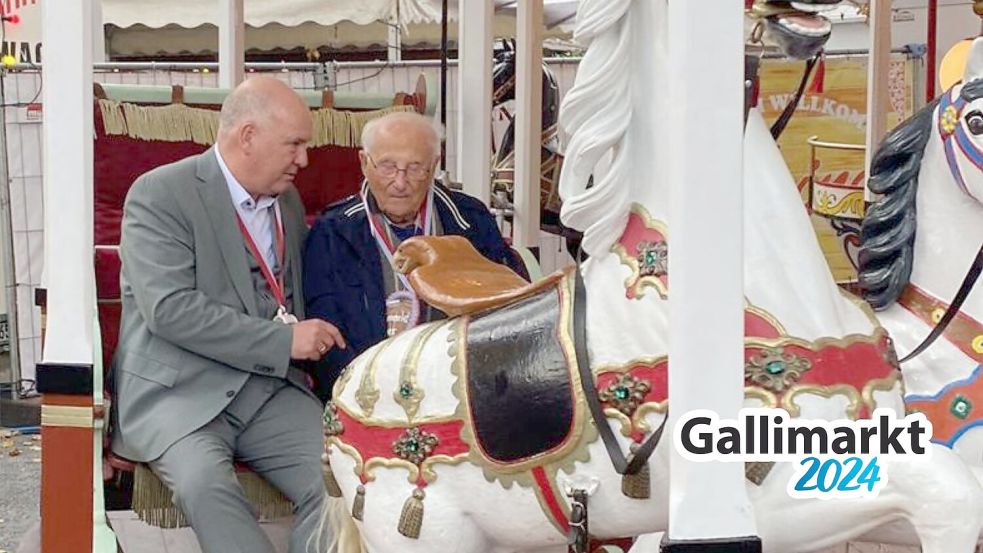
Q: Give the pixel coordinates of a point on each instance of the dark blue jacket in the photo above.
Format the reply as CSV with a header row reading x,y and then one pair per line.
x,y
343,270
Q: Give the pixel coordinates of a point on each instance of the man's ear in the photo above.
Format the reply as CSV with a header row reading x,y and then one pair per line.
x,y
246,135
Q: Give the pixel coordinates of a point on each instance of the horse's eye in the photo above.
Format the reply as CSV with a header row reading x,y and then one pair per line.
x,y
975,123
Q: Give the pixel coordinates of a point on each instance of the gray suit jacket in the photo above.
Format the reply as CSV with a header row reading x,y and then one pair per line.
x,y
190,334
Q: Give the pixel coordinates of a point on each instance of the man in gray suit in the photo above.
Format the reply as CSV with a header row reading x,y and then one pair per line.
x,y
211,300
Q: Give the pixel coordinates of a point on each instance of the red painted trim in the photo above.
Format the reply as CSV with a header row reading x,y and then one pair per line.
x,y
66,482
552,503
377,442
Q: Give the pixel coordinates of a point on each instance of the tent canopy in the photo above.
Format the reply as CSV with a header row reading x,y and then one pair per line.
x,y
157,27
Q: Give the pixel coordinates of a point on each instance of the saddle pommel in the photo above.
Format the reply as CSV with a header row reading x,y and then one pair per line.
x,y
449,274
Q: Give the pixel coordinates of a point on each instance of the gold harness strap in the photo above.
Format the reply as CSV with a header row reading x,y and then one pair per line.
x,y
449,274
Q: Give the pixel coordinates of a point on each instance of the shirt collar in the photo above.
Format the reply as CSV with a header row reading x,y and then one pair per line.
x,y
240,197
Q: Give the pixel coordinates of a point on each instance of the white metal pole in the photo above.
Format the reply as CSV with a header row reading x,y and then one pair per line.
x,y
231,43
878,71
98,33
708,500
528,124
67,139
474,83
394,43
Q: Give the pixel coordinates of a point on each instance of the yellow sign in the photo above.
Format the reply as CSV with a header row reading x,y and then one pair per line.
x,y
833,110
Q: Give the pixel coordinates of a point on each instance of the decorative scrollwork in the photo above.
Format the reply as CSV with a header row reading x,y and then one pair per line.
x,y
776,370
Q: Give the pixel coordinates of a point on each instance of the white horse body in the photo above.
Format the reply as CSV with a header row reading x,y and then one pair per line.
x,y
470,507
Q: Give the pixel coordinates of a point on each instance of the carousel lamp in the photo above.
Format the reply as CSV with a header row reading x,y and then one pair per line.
x,y
8,61
12,19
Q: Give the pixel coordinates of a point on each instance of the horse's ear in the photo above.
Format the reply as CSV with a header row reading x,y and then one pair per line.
x,y
974,63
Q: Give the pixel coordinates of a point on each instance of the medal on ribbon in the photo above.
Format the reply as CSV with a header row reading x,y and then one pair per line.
x,y
275,284
402,306
402,312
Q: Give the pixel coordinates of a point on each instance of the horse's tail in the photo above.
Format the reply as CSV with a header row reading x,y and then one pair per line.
x,y
337,532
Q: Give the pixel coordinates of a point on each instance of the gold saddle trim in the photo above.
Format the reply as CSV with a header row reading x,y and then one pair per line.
x,y
450,274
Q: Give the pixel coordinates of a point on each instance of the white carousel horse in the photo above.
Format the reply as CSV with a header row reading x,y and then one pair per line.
x,y
918,242
421,446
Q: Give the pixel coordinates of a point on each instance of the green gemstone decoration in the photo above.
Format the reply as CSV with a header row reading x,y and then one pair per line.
x,y
406,390
415,445
775,367
653,258
961,407
332,424
625,394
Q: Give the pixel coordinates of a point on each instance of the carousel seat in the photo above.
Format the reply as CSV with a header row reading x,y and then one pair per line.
x,y
152,500
448,273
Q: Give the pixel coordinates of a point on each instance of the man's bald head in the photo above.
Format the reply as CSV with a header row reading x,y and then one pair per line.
x,y
264,128
409,125
256,100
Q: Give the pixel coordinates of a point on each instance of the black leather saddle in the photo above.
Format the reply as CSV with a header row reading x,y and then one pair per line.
x,y
520,387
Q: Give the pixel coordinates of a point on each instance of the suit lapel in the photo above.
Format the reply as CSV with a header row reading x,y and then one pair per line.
x,y
215,195
293,254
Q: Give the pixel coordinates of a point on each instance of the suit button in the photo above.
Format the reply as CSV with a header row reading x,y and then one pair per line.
x,y
230,393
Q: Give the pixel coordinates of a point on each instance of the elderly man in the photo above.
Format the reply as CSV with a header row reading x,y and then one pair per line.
x,y
211,300
348,275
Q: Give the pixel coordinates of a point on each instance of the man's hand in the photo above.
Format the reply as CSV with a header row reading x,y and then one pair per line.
x,y
313,338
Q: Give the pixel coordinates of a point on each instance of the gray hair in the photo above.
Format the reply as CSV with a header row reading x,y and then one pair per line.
x,y
371,128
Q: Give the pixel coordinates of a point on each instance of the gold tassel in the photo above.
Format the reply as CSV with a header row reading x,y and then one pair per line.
x,y
267,500
638,485
330,483
152,500
411,519
757,471
358,505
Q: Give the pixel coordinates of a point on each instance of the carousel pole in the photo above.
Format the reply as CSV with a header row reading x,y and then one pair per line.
x,y
528,127
65,375
933,26
878,71
474,89
709,510
231,44
443,81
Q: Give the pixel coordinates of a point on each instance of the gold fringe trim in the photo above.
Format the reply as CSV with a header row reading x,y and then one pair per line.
x,y
182,123
154,505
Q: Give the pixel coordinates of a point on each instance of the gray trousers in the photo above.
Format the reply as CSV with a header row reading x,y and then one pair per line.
x,y
276,430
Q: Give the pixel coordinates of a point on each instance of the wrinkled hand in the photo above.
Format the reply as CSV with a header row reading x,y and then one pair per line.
x,y
313,338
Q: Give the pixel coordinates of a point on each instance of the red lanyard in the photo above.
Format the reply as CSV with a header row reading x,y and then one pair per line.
x,y
275,284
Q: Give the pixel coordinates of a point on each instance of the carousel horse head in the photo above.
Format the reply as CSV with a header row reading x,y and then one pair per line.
x,y
798,29
944,142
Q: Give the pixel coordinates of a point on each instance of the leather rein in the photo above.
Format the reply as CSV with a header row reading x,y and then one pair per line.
x,y
622,464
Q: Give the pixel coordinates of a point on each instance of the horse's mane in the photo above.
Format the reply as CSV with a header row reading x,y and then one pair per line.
x,y
887,237
593,124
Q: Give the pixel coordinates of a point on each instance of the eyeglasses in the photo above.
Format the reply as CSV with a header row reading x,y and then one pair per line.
x,y
389,169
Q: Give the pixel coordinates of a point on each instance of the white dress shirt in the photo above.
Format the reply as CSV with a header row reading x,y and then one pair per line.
x,y
256,215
